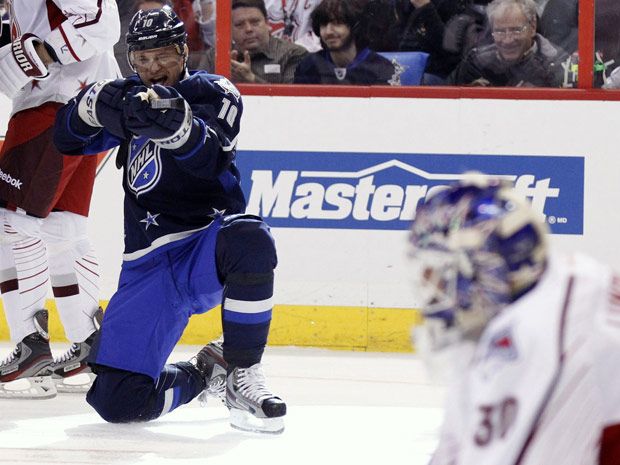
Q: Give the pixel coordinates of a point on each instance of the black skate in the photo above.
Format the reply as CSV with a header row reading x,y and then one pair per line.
x,y
252,406
70,372
25,372
211,364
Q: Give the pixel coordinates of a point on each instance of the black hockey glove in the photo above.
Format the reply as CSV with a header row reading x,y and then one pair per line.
x,y
101,105
168,127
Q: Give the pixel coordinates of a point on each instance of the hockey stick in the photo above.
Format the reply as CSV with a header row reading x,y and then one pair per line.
x,y
176,103
156,103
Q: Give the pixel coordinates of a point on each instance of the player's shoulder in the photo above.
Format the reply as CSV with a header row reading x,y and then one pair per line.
x,y
601,281
589,270
202,85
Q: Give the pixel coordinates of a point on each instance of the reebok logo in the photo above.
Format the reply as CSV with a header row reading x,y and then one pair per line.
x,y
6,177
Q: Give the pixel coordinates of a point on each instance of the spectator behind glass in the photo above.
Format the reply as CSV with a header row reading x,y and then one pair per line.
x,y
204,14
518,57
607,34
345,58
185,10
291,20
419,25
468,29
257,56
559,23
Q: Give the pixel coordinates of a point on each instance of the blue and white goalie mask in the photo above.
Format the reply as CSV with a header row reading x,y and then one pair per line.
x,y
475,247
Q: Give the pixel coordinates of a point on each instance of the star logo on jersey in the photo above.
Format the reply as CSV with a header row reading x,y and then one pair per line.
x,y
228,88
81,85
150,220
399,69
217,213
35,85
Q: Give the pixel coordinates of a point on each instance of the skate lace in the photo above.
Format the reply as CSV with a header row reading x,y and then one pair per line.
x,y
10,358
251,384
68,355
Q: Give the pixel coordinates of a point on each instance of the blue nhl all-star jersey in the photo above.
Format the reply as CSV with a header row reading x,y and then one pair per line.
x,y
169,195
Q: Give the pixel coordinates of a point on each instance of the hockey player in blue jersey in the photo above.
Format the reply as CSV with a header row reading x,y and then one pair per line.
x,y
188,245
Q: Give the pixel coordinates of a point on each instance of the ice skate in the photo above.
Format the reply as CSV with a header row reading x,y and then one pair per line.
x,y
24,373
70,372
252,406
210,362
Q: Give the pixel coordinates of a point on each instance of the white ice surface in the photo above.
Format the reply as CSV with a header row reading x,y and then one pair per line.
x,y
343,408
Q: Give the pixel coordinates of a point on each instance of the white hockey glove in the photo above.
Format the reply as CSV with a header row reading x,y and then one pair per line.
x,y
20,64
101,106
87,105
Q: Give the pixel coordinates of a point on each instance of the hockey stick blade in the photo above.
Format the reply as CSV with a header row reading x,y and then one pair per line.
x,y
176,103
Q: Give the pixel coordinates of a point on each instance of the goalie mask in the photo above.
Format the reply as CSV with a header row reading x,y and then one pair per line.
x,y
476,247
156,29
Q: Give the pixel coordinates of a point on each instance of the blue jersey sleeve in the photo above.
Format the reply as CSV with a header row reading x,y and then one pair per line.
x,y
217,108
72,141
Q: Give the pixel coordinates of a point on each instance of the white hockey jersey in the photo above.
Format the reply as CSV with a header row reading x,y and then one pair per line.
x,y
81,32
544,384
290,19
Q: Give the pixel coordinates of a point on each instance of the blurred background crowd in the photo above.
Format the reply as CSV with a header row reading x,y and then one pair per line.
x,y
519,43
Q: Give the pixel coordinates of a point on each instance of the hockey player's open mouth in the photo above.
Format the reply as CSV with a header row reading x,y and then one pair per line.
x,y
161,80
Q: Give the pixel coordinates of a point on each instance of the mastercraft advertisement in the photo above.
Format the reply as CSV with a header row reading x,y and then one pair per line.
x,y
382,190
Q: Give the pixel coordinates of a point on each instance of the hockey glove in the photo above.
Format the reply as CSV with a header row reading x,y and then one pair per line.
x,y
101,105
20,64
169,128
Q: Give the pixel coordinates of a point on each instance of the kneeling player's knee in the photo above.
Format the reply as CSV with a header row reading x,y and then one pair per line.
x,y
248,243
120,396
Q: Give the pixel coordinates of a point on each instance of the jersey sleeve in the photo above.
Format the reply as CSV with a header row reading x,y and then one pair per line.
x,y
217,108
91,26
606,362
70,141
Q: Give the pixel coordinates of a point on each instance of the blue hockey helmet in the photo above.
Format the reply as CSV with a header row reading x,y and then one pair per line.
x,y
476,247
154,29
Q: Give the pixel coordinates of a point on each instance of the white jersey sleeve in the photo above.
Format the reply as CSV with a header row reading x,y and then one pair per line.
x,y
608,355
91,25
81,33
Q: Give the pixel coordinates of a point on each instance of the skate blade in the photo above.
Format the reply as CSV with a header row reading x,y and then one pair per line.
x,y
38,387
75,384
215,389
204,396
245,421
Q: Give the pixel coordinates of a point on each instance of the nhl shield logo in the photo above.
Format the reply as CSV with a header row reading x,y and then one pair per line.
x,y
143,165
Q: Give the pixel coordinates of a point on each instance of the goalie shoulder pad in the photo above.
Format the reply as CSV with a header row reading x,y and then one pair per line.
x,y
20,64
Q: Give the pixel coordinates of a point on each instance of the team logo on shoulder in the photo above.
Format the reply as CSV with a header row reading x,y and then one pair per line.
x,y
143,165
228,87
502,346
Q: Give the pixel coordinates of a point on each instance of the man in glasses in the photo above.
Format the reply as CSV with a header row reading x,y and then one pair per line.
x,y
518,56
188,245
